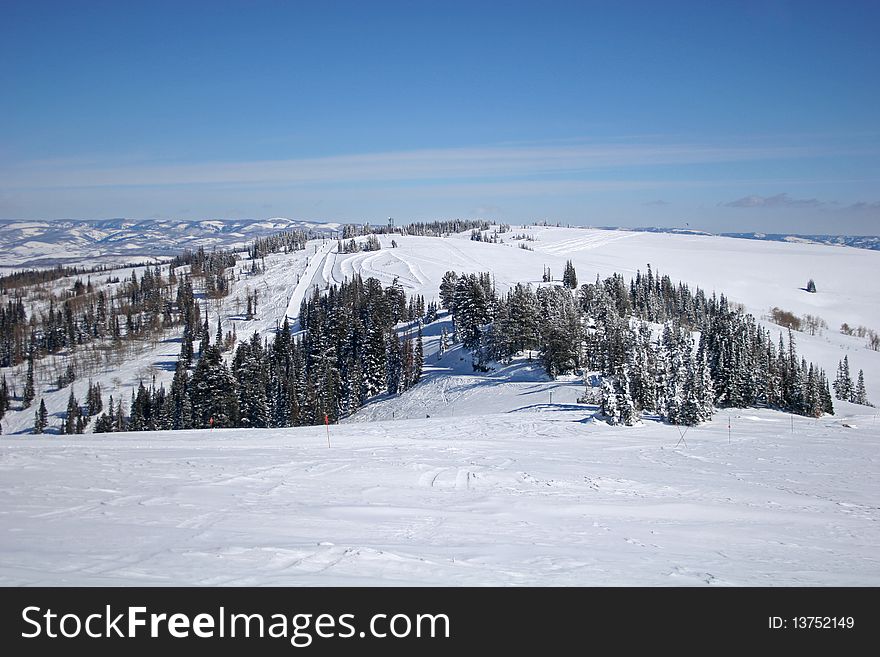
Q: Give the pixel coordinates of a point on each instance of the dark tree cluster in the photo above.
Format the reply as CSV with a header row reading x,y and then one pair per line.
x,y
286,242
422,228
77,417
30,277
349,350
351,245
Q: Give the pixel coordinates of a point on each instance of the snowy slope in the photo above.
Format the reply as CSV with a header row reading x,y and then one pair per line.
x,y
508,481
512,499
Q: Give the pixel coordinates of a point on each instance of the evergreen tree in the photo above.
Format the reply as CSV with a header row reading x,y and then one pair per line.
x,y
827,403
94,404
569,276
120,423
251,375
447,289
627,414
73,414
394,365
608,402
41,418
418,356
860,395
29,392
4,397
186,347
213,393
104,424
843,385
560,330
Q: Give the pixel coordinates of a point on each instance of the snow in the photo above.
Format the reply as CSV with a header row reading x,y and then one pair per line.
x,y
536,498
502,484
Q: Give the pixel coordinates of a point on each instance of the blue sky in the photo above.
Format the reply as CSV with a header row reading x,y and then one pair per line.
x,y
724,116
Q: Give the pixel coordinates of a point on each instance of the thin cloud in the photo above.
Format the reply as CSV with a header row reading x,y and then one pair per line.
x,y
863,206
777,201
460,164
658,203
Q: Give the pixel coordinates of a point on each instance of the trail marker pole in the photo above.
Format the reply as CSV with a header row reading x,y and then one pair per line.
x,y
327,424
728,429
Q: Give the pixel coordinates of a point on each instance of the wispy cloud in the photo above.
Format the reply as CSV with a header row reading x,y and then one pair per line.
x,y
863,206
491,162
657,204
777,201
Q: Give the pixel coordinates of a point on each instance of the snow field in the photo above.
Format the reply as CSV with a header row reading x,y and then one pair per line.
x,y
547,498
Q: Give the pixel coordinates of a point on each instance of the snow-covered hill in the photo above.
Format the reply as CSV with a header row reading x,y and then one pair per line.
x,y
48,243
468,478
757,274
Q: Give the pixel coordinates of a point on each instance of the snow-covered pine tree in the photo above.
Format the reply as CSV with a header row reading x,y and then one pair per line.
x,y
843,385
249,369
375,354
608,408
627,413
705,389
524,305
447,289
561,331
297,386
213,392
642,369
813,405
860,394
677,356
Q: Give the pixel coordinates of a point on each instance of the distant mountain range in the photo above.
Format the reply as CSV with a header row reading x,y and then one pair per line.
x,y
116,241
871,242
48,243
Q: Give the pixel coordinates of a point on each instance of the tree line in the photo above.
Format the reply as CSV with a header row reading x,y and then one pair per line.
x,y
354,344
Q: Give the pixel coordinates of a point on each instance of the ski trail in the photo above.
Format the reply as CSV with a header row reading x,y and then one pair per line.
x,y
308,280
